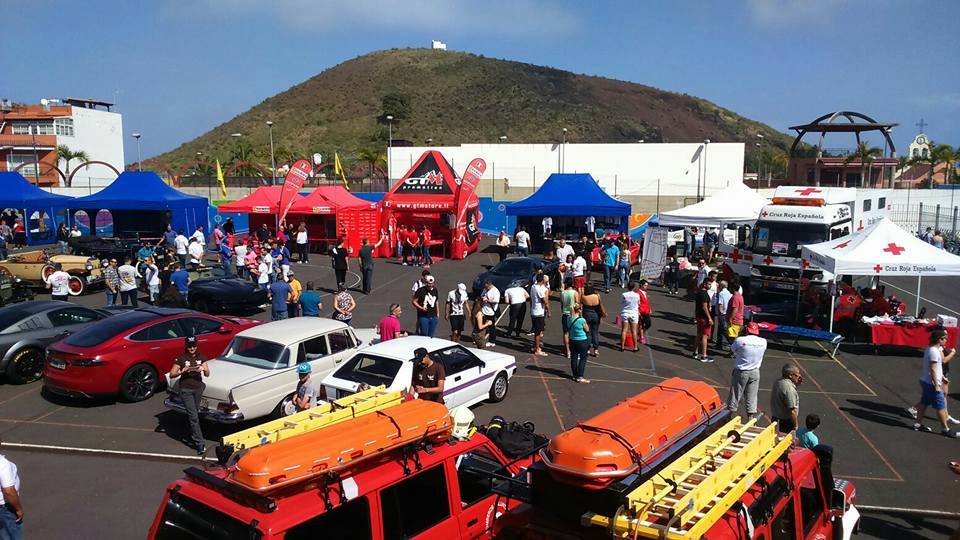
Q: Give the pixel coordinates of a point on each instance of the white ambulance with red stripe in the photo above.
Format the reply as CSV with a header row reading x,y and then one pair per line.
x,y
797,216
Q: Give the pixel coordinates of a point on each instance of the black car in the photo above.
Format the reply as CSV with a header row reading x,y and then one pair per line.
x,y
27,328
213,289
512,272
104,248
13,289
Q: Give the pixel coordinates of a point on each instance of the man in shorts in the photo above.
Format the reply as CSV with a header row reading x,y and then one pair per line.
x,y
704,322
539,311
932,382
734,311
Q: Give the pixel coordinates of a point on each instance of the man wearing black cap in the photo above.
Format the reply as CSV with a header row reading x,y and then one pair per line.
x,y
191,367
428,377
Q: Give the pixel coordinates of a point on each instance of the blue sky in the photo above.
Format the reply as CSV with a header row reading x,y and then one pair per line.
x,y
179,68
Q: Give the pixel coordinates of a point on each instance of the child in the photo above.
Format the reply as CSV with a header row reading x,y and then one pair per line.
x,y
806,438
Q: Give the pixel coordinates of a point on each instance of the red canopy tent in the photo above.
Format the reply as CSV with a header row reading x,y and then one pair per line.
x,y
426,195
332,212
263,206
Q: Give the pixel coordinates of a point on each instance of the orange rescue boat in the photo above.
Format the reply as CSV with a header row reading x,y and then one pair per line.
x,y
632,435
340,446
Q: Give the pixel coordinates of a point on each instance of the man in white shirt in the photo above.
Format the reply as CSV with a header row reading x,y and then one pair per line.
x,y
264,271
719,303
240,252
128,282
490,298
198,234
181,243
579,273
933,384
702,272
564,249
195,249
629,315
547,224
517,298
539,311
748,351
523,242
11,508
59,283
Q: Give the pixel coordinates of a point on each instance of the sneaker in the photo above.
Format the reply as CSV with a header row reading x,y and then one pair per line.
x,y
912,411
584,381
541,353
643,340
953,420
202,450
950,433
696,356
405,264
706,360
920,427
491,345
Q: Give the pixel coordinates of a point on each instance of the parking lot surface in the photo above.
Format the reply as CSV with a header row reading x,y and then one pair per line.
x,y
860,396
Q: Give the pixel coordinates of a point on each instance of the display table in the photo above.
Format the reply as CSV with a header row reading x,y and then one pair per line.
x,y
911,335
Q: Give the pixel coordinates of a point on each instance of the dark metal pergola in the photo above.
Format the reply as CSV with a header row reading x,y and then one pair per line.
x,y
856,123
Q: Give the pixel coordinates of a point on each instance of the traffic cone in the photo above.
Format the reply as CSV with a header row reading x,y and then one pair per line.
x,y
628,343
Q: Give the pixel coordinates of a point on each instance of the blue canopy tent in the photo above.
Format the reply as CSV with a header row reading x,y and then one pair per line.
x,y
44,210
142,205
569,199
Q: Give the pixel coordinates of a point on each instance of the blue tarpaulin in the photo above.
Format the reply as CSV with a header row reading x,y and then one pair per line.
x,y
16,192
569,195
142,203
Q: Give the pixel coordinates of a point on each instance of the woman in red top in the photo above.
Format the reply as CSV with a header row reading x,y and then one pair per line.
x,y
425,246
645,311
19,234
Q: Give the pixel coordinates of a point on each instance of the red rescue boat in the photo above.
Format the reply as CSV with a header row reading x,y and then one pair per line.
x,y
632,436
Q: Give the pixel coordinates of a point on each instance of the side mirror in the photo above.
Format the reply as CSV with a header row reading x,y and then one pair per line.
x,y
481,364
223,330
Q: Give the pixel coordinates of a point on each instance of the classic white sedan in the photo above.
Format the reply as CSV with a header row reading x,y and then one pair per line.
x,y
473,375
257,374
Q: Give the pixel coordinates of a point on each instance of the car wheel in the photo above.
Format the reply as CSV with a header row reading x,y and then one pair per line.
x,y
46,270
285,407
138,383
75,286
26,366
498,390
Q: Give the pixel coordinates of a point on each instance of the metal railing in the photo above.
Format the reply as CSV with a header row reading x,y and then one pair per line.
x,y
210,182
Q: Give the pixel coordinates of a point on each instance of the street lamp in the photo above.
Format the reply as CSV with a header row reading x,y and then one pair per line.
x,y
273,162
641,141
389,144
139,158
705,143
430,142
563,150
503,138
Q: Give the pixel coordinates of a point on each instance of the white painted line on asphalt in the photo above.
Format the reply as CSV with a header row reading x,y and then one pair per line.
x,y
913,294
100,451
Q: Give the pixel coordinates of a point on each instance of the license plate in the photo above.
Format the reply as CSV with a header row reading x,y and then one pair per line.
x,y
56,363
5,286
774,285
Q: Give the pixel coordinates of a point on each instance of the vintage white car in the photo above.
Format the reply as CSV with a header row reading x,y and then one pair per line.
x,y
472,375
257,374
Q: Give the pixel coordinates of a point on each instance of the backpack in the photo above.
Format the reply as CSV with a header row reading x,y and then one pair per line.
x,y
512,438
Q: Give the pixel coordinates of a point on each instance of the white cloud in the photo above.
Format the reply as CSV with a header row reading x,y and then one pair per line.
x,y
792,12
447,18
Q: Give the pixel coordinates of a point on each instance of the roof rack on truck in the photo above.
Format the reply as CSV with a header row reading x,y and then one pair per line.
x,y
321,416
686,497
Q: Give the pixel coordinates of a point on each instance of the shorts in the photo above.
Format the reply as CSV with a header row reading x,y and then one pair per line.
x,y
704,326
630,317
931,397
733,331
579,282
537,325
456,323
563,322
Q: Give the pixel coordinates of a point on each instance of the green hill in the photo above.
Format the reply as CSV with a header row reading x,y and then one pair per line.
x,y
453,98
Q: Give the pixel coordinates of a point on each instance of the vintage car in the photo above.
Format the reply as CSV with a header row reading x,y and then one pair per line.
x,y
257,375
13,289
213,289
34,267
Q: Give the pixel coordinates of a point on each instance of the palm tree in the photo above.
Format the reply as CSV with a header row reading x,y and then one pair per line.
x,y
944,153
66,154
373,158
243,155
865,154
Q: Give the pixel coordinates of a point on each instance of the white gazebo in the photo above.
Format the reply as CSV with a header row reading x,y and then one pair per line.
x,y
736,204
882,249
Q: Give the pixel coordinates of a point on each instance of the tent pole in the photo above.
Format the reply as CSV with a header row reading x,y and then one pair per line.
x,y
833,295
796,315
916,309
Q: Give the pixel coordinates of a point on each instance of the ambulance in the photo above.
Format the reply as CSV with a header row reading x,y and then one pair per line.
x,y
797,216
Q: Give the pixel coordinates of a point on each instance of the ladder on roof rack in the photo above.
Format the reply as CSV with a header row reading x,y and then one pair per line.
x,y
328,414
694,491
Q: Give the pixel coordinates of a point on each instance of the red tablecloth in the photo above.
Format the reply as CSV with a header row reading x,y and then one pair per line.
x,y
908,336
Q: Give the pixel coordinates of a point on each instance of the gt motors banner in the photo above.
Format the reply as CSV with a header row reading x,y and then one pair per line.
x,y
466,231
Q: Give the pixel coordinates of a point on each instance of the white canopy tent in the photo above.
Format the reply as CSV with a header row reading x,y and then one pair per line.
x,y
736,204
882,249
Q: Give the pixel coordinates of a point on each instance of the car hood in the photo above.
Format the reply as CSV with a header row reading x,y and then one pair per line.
x,y
367,336
224,285
494,358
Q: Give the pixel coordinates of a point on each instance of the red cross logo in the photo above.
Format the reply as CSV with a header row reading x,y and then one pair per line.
x,y
841,246
805,264
877,268
736,255
764,213
768,261
894,249
860,225
806,192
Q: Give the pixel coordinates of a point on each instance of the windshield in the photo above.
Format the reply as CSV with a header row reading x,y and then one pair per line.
x,y
212,272
786,239
187,519
372,370
256,353
513,267
99,332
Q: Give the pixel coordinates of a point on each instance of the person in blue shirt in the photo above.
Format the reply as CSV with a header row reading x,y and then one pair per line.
x,y
169,236
145,252
611,258
806,438
310,304
226,258
181,280
278,292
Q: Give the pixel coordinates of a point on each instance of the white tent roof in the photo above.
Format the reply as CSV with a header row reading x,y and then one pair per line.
x,y
736,204
885,249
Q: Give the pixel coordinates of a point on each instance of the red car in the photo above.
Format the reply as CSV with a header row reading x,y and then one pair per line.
x,y
129,353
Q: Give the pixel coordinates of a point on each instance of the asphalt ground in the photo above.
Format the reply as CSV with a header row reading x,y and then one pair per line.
x,y
860,397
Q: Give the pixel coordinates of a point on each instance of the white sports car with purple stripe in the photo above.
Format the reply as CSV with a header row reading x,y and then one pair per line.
x,y
472,375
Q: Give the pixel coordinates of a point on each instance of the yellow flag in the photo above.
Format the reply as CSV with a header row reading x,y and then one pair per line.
x,y
338,169
223,186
